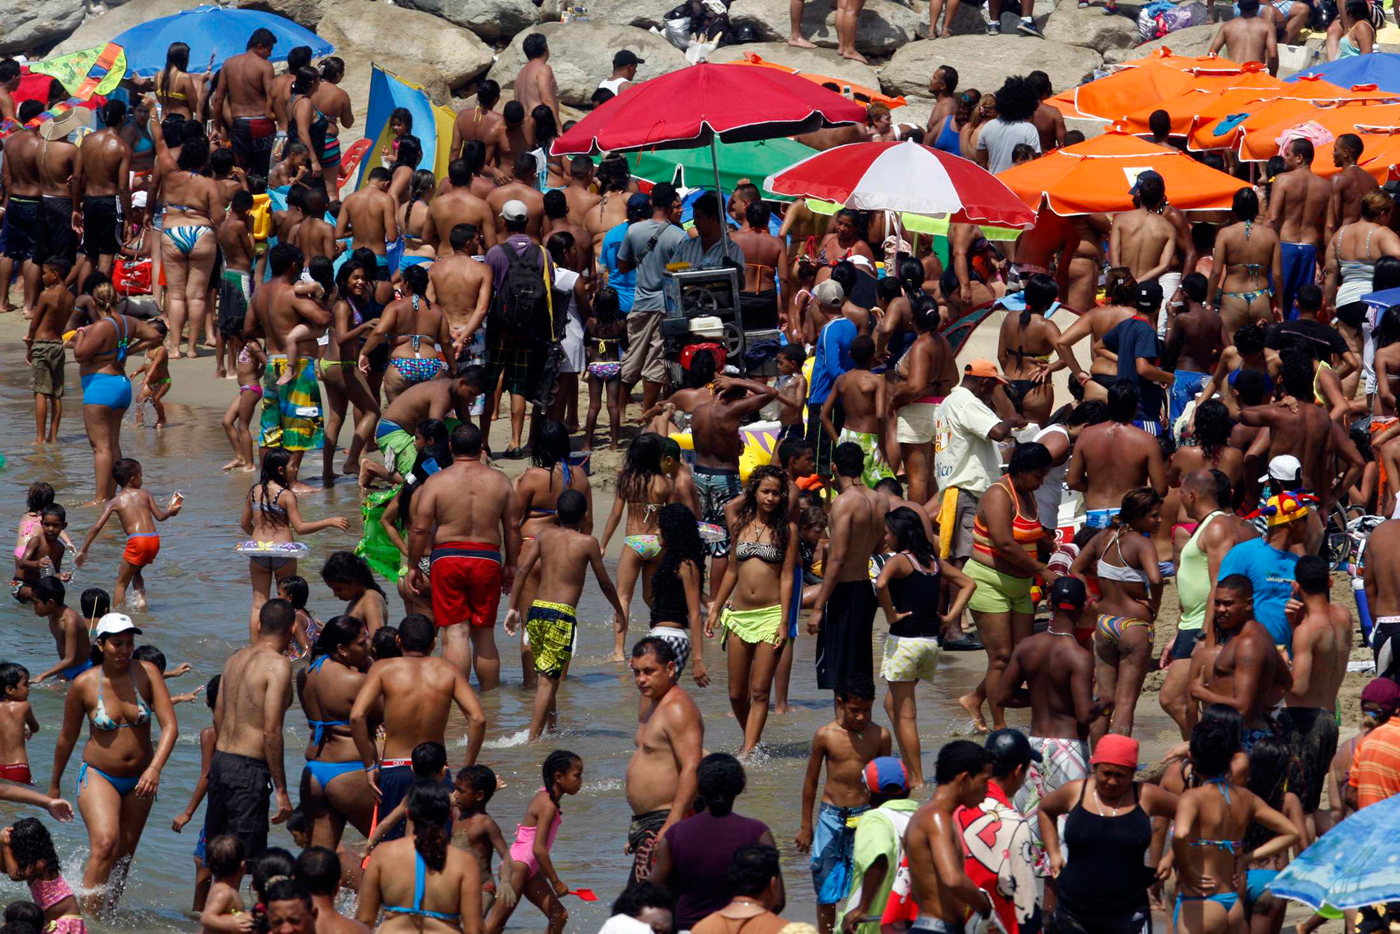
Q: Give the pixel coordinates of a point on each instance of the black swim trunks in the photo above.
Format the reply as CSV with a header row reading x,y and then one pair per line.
x,y
394,784
56,234
843,643
240,788
1186,642
642,834
1312,734
101,226
21,227
252,140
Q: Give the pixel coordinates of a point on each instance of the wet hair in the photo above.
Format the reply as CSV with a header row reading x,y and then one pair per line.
x,y
1030,457
54,509
211,690
660,648
337,632
776,523
848,459
40,495
223,855
345,567
720,779
1195,286
909,535
33,849
430,808
1387,275
642,464
1312,575
428,760
534,45
1122,401
752,869
416,633
960,757
12,674
571,507
680,539
1017,99
20,913
1213,427
297,590
855,685
385,643
639,896
318,871
95,603
1246,204
1212,748
276,617
478,778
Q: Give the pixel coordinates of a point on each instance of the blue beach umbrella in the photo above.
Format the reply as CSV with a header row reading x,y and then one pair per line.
x,y
1354,864
211,30
1379,68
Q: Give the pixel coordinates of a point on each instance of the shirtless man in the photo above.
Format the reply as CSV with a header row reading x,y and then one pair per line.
x,y
534,83
481,123
369,217
19,177
466,512
1349,185
1248,38
714,426
458,206
10,72
417,691
60,184
943,85
1321,646
1049,122
1194,345
273,312
558,219
1053,240
521,188
933,841
1249,674
247,761
1298,211
581,199
1382,578
245,81
764,255
1059,676
106,160
661,776
1142,240
314,235
845,606
1113,457
461,287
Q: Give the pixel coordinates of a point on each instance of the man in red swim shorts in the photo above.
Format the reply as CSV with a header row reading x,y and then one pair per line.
x,y
469,515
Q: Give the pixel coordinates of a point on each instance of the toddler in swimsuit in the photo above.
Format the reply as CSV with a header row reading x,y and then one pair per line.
x,y
17,723
224,856
531,870
30,857
157,384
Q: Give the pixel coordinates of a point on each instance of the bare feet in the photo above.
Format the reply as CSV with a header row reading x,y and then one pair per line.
x,y
137,601
301,489
175,354
800,43
351,468
780,710
619,657
365,476
328,479
234,464
855,56
286,377
221,374
247,468
94,502
973,706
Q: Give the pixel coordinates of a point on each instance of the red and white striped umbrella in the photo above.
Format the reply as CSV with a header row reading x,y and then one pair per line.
x,y
907,177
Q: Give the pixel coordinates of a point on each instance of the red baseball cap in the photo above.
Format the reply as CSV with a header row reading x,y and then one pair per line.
x,y
1116,749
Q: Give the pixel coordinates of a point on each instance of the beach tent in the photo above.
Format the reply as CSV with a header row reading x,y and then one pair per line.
x,y
432,123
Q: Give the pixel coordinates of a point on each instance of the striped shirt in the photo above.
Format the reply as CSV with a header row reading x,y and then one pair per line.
x,y
1375,770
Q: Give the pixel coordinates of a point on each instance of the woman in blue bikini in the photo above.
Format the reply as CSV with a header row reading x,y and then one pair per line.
x,y
642,489
193,208
1206,836
120,771
419,333
101,350
334,791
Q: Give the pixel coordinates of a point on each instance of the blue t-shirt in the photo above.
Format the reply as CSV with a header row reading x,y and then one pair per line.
x,y
1130,340
833,358
624,283
1272,573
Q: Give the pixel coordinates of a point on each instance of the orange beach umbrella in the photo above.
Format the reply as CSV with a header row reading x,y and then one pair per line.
x,y
860,92
1140,83
1260,144
1304,99
1185,110
1097,175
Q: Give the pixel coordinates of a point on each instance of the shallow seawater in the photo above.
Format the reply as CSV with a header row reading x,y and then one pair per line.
x,y
199,597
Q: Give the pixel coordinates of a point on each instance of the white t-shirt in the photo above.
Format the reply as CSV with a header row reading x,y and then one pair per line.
x,y
974,458
1000,137
1049,494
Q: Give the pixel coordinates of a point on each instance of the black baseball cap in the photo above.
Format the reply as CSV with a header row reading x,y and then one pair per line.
x,y
625,58
1010,748
1148,296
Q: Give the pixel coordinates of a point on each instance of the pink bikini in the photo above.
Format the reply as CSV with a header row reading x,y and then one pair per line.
x,y
49,892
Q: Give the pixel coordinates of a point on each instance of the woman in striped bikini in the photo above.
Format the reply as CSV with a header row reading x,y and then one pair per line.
x,y
1006,536
1125,559
193,208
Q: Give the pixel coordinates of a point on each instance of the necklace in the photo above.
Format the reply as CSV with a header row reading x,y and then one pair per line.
x,y
1071,635
1102,805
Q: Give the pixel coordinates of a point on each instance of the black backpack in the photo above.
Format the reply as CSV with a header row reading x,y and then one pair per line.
x,y
523,300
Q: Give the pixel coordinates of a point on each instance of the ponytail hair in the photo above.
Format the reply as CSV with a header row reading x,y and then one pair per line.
x,y
337,632
430,808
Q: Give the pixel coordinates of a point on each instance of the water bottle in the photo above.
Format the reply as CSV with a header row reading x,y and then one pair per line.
x,y
1363,609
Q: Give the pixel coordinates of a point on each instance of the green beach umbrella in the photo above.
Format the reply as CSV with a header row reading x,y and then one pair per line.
x,y
754,161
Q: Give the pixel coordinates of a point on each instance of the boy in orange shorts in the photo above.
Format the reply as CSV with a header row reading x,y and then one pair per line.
x,y
138,513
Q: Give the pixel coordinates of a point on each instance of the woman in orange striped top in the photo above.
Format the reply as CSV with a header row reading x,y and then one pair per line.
x,y
1006,537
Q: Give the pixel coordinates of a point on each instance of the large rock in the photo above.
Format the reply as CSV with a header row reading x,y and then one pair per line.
x,y
377,30
984,62
1090,28
99,29
1194,40
815,61
357,80
884,26
25,24
490,19
581,56
643,13
306,13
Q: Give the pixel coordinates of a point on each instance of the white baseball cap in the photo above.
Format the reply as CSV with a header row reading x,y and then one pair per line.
x,y
114,624
514,210
857,260
1285,467
829,293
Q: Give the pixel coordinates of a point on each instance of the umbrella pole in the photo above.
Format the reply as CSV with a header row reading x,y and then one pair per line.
x,y
719,196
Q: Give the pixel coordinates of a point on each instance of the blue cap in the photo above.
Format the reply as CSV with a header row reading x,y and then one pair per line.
x,y
639,202
886,775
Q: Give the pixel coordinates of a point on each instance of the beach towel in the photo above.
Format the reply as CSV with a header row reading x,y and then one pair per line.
x,y
291,414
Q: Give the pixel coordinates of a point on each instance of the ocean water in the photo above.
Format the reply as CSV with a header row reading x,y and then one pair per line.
x,y
199,595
